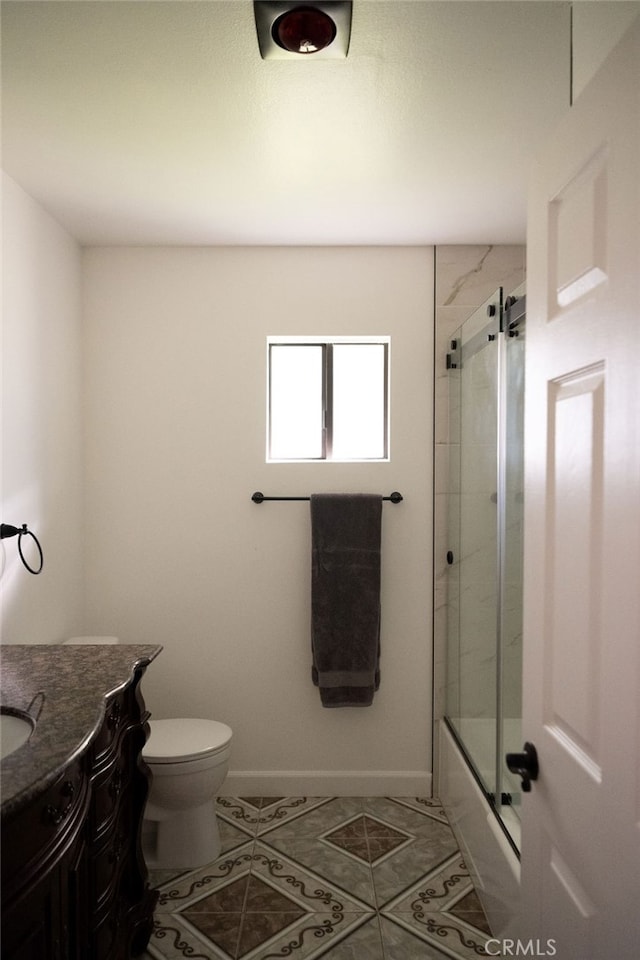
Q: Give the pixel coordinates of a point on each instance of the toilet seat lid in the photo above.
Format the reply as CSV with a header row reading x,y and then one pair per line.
x,y
182,739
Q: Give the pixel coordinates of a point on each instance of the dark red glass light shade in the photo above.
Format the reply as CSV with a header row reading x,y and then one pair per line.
x,y
304,30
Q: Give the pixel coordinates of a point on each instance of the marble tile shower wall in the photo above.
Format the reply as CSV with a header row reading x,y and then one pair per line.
x,y
465,276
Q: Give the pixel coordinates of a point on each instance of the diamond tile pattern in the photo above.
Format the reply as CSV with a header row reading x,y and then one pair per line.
x,y
344,878
367,838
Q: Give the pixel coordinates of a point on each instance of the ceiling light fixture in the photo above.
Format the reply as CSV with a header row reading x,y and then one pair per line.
x,y
304,30
288,29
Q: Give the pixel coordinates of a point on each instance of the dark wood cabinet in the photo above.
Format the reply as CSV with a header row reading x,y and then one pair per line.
x,y
74,881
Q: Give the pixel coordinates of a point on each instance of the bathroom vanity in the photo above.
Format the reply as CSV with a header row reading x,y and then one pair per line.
x,y
74,881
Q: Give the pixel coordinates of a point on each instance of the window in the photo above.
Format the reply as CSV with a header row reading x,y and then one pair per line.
x,y
328,398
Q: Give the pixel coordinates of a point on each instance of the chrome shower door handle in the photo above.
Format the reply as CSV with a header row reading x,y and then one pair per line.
x,y
525,765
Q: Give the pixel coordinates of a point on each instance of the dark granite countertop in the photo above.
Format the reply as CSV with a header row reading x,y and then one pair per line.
x,y
75,681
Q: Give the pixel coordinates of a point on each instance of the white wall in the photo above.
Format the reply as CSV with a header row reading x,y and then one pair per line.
x,y
596,28
179,555
41,422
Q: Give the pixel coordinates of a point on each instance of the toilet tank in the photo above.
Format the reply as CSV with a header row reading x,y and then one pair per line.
x,y
91,640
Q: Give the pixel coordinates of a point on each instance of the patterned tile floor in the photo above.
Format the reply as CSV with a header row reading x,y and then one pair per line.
x,y
340,878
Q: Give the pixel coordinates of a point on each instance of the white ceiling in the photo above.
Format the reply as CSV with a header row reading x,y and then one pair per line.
x,y
158,122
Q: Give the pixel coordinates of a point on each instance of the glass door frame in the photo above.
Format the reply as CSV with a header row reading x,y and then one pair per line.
x,y
506,323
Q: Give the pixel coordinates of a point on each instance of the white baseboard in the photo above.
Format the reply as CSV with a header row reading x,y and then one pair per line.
x,y
326,783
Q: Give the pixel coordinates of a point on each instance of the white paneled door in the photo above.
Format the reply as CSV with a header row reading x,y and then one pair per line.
x,y
581,819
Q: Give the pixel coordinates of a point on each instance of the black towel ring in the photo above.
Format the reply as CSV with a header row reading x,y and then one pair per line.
x,y
7,530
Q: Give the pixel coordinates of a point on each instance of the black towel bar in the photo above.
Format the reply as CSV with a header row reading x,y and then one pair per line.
x,y
259,497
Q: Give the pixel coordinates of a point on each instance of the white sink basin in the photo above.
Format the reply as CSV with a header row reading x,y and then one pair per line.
x,y
15,729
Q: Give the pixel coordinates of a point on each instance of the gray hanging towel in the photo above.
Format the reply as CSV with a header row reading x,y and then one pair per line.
x,y
345,597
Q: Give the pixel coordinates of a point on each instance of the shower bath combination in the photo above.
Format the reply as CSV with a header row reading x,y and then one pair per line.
x,y
483,709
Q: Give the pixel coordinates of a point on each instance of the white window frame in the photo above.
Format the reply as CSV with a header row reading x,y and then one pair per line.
x,y
327,342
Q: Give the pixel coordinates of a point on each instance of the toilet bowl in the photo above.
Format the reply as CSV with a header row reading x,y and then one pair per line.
x,y
188,759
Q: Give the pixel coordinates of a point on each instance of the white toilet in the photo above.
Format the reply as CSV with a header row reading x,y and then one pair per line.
x,y
188,759
88,641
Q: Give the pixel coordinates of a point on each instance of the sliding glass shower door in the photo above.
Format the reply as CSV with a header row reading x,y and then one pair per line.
x,y
511,556
484,668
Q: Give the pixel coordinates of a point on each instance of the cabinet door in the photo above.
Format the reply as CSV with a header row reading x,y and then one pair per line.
x,y
42,854
37,928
